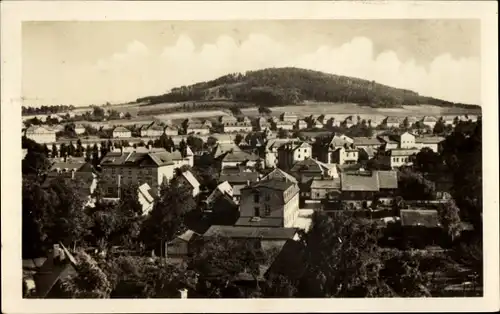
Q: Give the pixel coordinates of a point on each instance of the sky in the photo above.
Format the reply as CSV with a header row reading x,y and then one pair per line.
x,y
82,63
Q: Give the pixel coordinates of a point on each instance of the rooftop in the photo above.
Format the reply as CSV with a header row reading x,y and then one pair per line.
x,y
261,222
136,159
366,141
280,174
420,217
264,233
120,129
272,183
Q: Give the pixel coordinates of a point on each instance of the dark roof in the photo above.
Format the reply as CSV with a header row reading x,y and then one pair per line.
x,y
261,222
290,261
53,270
264,233
359,181
420,217
239,156
272,183
388,179
429,139
279,174
308,164
366,141
317,183
137,159
240,177
33,263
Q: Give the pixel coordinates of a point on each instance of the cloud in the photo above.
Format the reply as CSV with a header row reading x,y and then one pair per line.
x,y
136,71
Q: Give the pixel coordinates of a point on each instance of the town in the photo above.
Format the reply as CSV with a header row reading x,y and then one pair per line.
x,y
271,205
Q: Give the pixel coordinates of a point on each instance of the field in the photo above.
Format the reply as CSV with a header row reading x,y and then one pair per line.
x,y
143,114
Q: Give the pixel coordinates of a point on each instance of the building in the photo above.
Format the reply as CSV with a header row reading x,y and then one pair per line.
x,y
317,124
293,152
272,202
429,121
198,127
262,124
366,185
348,122
223,188
284,125
146,197
367,142
79,129
171,130
289,116
398,157
301,124
279,174
232,127
432,142
271,151
236,157
313,168
227,119
152,130
121,132
344,155
332,122
187,178
179,249
239,180
60,264
40,135
391,122
321,188
389,142
136,168
246,233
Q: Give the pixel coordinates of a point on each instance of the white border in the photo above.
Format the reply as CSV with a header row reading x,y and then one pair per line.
x,y
13,13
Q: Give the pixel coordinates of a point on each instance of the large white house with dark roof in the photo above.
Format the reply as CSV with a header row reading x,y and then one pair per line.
x,y
120,169
41,135
121,132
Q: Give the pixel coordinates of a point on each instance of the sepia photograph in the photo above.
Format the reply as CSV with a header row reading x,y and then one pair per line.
x,y
252,158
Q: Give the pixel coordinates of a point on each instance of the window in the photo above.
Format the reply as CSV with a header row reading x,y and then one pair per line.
x,y
317,194
110,190
256,198
268,210
256,212
268,197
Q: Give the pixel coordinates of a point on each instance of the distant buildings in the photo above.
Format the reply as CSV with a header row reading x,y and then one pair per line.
x,y
40,135
121,132
293,152
152,130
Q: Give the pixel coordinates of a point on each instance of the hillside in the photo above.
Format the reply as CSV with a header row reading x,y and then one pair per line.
x,y
288,86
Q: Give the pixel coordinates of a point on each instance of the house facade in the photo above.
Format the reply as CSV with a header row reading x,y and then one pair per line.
x,y
121,132
120,169
232,127
272,202
293,152
152,130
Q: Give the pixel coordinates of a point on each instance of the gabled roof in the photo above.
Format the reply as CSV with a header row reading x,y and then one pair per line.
x,y
310,165
392,119
403,151
38,129
388,179
361,141
340,140
317,183
359,182
261,222
239,156
429,119
239,178
273,183
262,233
120,129
429,139
191,179
137,159
278,173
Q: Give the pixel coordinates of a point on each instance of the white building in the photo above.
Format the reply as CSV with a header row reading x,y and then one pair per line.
x,y
121,132
293,152
232,127
40,135
152,130
301,124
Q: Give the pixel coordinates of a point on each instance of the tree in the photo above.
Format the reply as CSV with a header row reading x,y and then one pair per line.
x,y
90,281
128,116
402,273
413,186
264,110
449,216
238,138
427,161
354,272
166,219
439,127
98,112
195,143
183,147
219,260
54,151
406,123
71,149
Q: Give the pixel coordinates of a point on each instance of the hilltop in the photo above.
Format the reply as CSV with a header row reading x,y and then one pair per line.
x,y
289,86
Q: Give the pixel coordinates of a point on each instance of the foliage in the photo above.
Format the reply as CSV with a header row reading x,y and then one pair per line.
x,y
166,219
449,216
427,161
36,160
413,186
90,281
25,110
238,138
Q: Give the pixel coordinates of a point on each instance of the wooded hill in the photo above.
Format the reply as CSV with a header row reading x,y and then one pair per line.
x,y
289,86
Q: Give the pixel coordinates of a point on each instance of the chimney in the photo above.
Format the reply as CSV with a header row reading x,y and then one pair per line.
x,y
183,293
